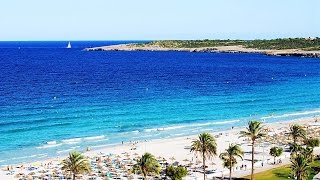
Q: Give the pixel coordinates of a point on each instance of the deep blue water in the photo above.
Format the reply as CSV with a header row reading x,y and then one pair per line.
x,y
53,99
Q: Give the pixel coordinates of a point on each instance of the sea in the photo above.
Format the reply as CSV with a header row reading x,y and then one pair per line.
x,y
54,100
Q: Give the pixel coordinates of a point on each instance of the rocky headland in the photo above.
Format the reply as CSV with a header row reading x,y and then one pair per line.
x,y
224,47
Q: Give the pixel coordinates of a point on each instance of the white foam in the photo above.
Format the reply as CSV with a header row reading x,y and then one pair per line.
x,y
67,150
179,134
292,114
100,140
174,127
52,142
26,157
72,140
48,146
42,156
151,130
93,138
164,128
105,145
144,136
191,125
213,123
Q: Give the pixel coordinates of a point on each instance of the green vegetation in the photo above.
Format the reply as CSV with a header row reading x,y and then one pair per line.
x,y
312,142
275,152
206,147
254,131
308,44
229,157
296,132
300,166
146,165
176,173
284,172
76,164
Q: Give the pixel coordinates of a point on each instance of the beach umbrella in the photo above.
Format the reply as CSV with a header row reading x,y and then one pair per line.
x,y
186,160
29,177
127,155
172,158
17,176
32,173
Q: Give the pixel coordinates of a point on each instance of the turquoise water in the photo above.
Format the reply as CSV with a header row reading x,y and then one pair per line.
x,y
54,100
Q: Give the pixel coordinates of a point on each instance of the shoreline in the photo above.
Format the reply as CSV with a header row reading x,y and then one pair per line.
x,y
178,147
215,49
102,141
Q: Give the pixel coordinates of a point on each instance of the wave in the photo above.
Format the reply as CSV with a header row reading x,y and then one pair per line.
x,y
93,138
179,134
105,145
72,141
67,150
26,157
191,125
48,146
291,114
52,142
100,140
151,130
214,123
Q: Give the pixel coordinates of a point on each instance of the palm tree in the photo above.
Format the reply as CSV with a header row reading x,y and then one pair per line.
x,y
297,131
312,142
276,152
308,153
300,167
254,131
206,146
229,157
295,148
147,164
76,163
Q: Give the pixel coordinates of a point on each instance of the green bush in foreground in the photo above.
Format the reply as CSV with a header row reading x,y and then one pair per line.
x,y
176,173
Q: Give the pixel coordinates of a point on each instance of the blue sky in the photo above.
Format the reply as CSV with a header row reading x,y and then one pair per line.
x,y
157,19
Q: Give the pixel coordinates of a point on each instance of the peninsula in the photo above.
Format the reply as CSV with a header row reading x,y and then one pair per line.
x,y
302,47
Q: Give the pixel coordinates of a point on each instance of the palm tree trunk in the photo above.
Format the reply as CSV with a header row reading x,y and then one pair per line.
x,y
144,175
252,163
74,176
274,160
204,166
230,177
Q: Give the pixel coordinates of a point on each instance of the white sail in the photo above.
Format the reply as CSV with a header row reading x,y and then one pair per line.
x,y
69,45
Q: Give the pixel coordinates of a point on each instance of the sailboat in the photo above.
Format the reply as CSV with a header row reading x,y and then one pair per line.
x,y
69,45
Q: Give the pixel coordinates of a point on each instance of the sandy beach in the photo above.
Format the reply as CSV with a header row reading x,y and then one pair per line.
x,y
178,150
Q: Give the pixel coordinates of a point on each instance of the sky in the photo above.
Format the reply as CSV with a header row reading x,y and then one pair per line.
x,y
157,19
